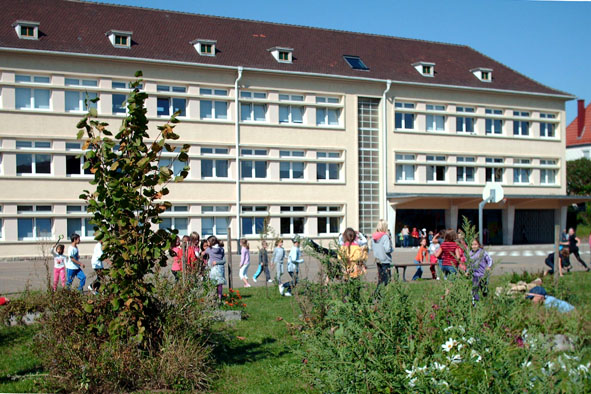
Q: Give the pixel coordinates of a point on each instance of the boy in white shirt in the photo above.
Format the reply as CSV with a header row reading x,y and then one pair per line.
x,y
73,264
97,265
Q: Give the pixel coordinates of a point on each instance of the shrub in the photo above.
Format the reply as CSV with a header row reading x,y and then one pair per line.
x,y
27,303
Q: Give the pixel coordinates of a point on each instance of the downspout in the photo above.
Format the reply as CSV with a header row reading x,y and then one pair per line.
x,y
237,138
385,150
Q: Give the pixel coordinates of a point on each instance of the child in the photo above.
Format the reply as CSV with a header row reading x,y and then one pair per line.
x,y
382,251
293,261
217,260
449,253
277,259
73,264
244,262
563,261
422,257
433,247
481,264
177,262
538,295
59,266
263,263
97,265
353,254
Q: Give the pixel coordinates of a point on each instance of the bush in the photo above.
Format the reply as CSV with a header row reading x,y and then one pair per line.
x,y
27,303
79,355
359,341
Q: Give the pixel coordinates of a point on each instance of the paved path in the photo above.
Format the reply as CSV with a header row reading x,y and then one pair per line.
x,y
15,276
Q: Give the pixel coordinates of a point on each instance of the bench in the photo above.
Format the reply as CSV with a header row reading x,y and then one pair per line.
x,y
405,266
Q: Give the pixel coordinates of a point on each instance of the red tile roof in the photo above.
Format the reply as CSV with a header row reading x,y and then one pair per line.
x,y
80,27
572,138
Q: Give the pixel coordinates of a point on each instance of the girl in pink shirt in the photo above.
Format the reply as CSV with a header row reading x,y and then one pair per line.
x,y
244,262
177,262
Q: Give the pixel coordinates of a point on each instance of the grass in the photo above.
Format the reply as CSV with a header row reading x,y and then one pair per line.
x,y
258,355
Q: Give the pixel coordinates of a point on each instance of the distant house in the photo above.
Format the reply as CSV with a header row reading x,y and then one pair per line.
x,y
578,134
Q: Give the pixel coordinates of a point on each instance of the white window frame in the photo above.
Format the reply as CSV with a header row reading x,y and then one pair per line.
x,y
75,151
328,166
433,115
173,214
491,123
77,83
19,25
463,169
213,92
250,107
434,161
325,120
215,151
79,212
30,215
32,86
547,174
161,94
402,117
114,35
291,211
254,213
547,129
32,151
283,163
520,172
201,45
290,104
214,215
493,169
249,155
324,213
520,125
462,116
405,172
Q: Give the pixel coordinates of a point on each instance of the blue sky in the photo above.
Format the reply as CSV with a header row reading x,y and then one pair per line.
x,y
549,41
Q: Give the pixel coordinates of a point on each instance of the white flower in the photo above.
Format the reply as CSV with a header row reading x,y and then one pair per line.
x,y
470,340
443,383
550,365
439,367
584,368
456,358
422,369
475,355
461,328
526,364
460,346
412,382
446,329
447,346
410,372
571,357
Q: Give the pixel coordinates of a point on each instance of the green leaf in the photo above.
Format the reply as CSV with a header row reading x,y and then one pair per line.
x,y
93,112
88,308
80,132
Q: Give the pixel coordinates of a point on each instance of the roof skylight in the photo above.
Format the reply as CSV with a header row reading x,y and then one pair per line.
x,y
355,62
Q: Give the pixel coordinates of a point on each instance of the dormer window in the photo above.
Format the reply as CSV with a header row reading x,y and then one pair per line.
x,y
425,68
282,55
204,47
119,39
484,74
355,63
27,30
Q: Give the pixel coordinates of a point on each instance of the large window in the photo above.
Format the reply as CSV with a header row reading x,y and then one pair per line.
x,y
327,171
494,169
31,97
546,128
252,110
119,100
328,224
292,220
77,223
465,169
253,219
79,100
32,227
214,168
435,121
404,120
176,223
291,113
75,164
215,225
522,174
212,108
547,175
33,163
291,169
493,125
436,168
520,127
327,116
465,120
166,106
405,172
250,164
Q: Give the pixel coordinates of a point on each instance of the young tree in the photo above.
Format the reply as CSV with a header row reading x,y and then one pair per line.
x,y
578,177
128,198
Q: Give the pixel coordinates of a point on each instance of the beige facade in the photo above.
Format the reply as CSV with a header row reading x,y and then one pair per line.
x,y
304,129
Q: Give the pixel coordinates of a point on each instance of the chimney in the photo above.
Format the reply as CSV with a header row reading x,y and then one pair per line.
x,y
580,118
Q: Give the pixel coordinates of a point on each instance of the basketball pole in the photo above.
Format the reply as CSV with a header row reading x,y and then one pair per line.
x,y
490,198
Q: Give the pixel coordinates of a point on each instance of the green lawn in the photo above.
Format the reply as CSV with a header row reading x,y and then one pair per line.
x,y
259,353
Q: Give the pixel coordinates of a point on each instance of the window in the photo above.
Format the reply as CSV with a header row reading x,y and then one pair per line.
x,y
484,74
284,56
291,113
435,122
214,225
547,175
325,171
405,172
494,173
169,105
74,164
119,100
33,163
465,173
120,39
291,221
176,223
520,127
214,168
79,225
464,123
213,109
31,98
253,219
291,169
281,54
436,170
426,69
546,128
328,224
251,168
31,227
326,116
78,101
26,30
253,111
205,47
355,63
494,126
521,175
176,166
404,120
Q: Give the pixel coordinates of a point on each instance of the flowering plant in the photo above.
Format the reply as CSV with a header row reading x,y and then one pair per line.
x,y
233,300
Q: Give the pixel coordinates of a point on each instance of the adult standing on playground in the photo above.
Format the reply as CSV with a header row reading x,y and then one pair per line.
x,y
573,246
382,251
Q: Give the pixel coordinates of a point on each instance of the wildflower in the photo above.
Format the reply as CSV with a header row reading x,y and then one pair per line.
x,y
432,316
519,341
526,364
470,340
244,305
443,383
460,346
439,367
435,306
446,329
422,369
410,372
455,359
447,346
475,355
412,382
583,368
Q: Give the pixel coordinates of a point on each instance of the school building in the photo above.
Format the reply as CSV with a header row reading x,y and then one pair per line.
x,y
311,129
